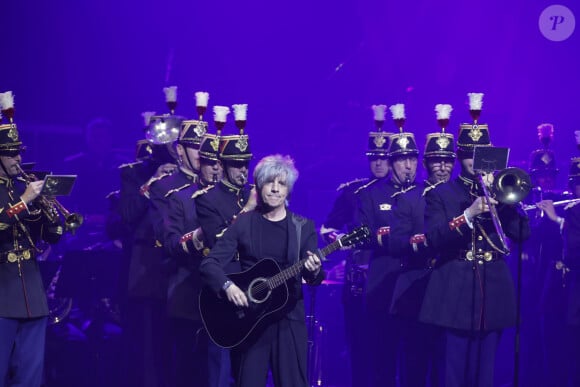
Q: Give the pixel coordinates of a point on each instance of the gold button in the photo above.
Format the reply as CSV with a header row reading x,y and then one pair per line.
x,y
479,250
479,238
469,256
26,254
487,256
12,257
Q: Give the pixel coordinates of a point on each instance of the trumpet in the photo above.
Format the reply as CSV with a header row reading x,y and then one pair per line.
x,y
52,207
555,204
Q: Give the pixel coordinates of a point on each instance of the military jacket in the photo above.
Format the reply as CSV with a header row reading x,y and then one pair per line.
x,y
143,268
160,189
407,242
375,201
217,208
468,292
342,216
21,227
180,219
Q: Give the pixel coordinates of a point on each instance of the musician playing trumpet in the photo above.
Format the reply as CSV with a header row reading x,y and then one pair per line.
x,y
271,231
470,293
23,305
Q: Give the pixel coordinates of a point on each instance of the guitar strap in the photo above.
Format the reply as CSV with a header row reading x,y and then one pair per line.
x,y
298,223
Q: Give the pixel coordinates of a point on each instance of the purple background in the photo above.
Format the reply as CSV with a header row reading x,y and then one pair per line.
x,y
309,71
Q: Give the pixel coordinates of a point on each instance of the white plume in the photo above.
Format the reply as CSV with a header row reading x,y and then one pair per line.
x,y
220,113
6,100
379,112
147,117
240,111
201,98
398,111
577,136
170,93
475,101
443,111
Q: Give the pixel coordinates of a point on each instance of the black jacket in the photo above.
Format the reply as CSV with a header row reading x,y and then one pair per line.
x,y
242,238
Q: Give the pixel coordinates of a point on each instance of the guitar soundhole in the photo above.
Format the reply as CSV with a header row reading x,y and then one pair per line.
x,y
259,291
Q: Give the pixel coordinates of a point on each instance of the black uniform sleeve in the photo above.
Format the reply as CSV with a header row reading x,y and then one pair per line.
x,y
515,222
210,220
212,267
132,205
175,227
440,235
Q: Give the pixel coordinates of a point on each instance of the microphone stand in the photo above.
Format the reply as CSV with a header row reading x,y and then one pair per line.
x,y
518,307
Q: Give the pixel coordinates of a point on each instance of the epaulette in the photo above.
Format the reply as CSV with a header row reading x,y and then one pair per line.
x,y
366,185
177,189
431,186
344,185
130,165
403,190
144,190
202,191
112,194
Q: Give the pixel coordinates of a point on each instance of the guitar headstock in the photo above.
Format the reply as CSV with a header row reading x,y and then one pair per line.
x,y
357,237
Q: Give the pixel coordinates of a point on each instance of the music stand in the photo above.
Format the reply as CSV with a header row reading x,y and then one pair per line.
x,y
490,158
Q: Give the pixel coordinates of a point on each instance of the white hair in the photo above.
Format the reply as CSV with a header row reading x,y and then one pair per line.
x,y
274,166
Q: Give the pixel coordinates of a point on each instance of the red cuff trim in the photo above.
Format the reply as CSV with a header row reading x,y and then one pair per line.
x,y
457,222
186,237
384,231
16,209
144,190
417,238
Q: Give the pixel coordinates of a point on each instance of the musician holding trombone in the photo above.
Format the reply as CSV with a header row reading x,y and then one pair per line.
x,y
23,305
471,292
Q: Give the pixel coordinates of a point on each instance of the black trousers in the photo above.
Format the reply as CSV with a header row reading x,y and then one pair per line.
x,y
189,347
280,346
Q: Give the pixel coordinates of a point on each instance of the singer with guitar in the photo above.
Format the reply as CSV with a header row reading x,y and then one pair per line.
x,y
270,231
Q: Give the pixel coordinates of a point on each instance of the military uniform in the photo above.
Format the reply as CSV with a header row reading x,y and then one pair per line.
x,y
376,201
23,305
144,280
341,219
541,358
177,224
470,291
217,207
561,297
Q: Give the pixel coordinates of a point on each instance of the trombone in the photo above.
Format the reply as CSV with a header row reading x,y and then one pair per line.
x,y
510,186
52,207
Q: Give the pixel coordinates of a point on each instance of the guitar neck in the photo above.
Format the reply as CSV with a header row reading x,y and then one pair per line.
x,y
292,271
